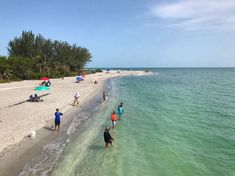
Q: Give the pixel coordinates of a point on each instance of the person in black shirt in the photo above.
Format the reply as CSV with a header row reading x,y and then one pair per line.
x,y
107,137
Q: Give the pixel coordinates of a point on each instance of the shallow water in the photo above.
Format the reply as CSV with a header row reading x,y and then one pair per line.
x,y
177,122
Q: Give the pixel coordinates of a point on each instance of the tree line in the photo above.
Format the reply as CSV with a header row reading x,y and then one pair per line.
x,y
32,56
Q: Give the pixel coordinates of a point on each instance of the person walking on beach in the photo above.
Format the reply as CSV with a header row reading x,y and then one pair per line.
x,y
76,96
107,137
57,119
114,119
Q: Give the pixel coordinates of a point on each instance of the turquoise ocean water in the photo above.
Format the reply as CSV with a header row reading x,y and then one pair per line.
x,y
177,122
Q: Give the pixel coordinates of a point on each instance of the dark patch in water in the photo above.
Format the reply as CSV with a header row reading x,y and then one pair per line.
x,y
96,147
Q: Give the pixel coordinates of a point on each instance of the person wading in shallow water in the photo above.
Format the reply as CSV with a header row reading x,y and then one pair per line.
x,y
104,96
119,112
121,104
114,119
107,137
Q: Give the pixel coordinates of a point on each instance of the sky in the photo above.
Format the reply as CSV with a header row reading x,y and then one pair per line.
x,y
130,33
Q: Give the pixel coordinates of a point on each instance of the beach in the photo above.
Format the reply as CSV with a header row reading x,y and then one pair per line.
x,y
19,117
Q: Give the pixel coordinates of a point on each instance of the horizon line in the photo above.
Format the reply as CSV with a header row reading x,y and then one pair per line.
x,y
154,67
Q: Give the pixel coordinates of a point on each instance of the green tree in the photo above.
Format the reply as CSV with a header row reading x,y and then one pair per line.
x,y
32,55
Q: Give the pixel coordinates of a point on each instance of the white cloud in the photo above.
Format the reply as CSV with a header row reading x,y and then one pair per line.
x,y
198,14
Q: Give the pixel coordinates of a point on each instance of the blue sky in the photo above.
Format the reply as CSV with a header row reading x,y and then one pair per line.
x,y
131,33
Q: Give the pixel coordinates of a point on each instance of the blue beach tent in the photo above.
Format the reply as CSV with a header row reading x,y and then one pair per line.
x,y
79,78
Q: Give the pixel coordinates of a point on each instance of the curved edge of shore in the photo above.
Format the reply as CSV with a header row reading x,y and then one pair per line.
x,y
16,156
29,148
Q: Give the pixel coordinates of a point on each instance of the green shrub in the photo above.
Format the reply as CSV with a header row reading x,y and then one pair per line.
x,y
98,70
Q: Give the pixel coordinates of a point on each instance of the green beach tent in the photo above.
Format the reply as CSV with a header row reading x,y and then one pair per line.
x,y
42,88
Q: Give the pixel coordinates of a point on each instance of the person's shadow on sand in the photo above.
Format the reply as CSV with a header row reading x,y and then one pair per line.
x,y
49,128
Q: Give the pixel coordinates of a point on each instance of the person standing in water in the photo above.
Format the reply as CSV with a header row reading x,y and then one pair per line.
x,y
114,118
107,137
57,119
121,104
120,111
104,96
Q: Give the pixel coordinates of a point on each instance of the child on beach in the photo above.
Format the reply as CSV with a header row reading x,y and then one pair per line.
x,y
76,96
114,119
57,119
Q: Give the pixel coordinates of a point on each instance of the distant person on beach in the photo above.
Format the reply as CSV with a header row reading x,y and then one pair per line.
x,y
114,118
104,96
76,96
31,98
48,83
42,83
57,119
107,137
36,98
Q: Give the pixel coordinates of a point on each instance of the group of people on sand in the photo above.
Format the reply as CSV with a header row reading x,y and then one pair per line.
x,y
108,139
46,83
34,98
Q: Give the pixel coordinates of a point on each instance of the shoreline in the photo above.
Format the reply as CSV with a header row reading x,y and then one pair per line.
x,y
28,148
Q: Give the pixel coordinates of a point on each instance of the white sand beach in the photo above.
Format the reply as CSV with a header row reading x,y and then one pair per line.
x,y
17,121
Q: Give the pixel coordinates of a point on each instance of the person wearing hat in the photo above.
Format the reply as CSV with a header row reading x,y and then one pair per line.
x,y
76,96
107,137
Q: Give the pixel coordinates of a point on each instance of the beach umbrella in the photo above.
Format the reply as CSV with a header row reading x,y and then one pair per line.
x,y
44,78
79,78
40,88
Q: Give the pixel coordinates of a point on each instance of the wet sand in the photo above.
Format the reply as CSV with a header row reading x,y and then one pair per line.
x,y
29,148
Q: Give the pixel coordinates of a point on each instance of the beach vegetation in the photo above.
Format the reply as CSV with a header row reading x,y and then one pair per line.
x,y
98,70
92,71
32,56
